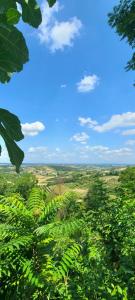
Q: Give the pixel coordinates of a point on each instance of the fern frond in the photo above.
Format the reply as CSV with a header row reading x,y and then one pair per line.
x,y
54,271
5,230
14,201
28,273
68,259
68,228
16,243
35,202
56,203
12,214
48,268
67,262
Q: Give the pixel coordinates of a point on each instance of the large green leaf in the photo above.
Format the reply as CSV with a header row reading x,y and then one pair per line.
x,y
10,130
6,4
51,2
15,153
31,13
13,16
13,51
11,124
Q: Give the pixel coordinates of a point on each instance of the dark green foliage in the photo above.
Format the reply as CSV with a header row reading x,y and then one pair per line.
x,y
24,183
111,223
14,52
51,2
3,185
61,249
97,194
127,181
31,13
13,55
10,130
123,20
31,255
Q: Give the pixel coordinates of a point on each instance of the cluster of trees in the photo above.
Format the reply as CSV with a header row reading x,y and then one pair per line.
x,y
21,184
61,248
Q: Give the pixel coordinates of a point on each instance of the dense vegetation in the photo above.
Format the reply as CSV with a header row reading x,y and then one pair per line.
x,y
61,247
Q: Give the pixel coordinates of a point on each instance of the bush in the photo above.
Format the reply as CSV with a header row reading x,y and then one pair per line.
x,y
24,184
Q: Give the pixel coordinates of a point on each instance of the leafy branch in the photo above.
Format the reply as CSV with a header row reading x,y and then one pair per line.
x,y
13,55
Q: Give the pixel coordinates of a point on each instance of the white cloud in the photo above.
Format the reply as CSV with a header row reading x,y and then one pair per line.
x,y
118,121
57,35
115,122
80,137
81,153
107,154
98,148
32,129
87,122
129,132
130,142
88,83
63,86
63,33
36,150
42,154
57,149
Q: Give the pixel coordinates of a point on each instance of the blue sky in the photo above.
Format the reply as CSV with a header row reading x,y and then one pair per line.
x,y
74,98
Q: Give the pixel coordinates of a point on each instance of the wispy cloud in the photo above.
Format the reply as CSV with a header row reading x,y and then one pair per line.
x,y
116,121
130,142
63,86
57,35
80,137
82,153
87,83
87,122
129,132
108,154
36,150
32,129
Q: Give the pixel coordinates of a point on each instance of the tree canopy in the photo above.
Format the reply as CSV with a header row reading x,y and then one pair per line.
x,y
123,20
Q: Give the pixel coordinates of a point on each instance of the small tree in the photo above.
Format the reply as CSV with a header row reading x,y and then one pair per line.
x,y
97,194
127,181
24,184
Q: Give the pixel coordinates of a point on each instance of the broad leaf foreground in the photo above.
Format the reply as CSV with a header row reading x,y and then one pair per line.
x,y
10,130
13,55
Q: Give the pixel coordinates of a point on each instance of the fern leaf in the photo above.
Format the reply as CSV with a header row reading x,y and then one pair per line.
x,y
35,202
14,201
30,275
68,228
17,243
55,204
68,261
13,213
